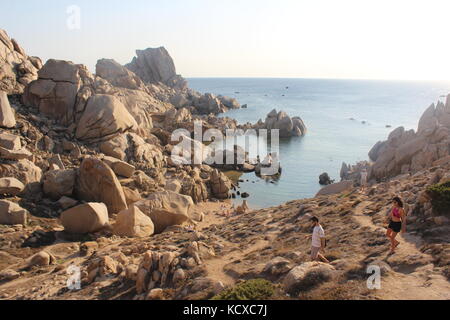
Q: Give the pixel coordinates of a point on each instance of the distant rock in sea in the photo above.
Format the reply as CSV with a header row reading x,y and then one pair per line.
x,y
289,127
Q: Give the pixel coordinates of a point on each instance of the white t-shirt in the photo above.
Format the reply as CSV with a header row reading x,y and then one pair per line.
x,y
363,178
318,233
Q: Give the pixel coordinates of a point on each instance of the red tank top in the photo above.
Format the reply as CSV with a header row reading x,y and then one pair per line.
x,y
396,213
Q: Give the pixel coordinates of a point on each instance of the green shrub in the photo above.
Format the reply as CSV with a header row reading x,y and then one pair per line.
x,y
257,289
440,198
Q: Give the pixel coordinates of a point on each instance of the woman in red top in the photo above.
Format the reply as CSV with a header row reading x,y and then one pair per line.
x,y
397,222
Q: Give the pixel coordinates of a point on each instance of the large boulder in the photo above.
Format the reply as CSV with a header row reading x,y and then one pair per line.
x,y
166,209
10,141
97,182
117,74
16,68
104,117
11,186
25,171
85,218
115,147
155,65
307,275
59,183
121,168
11,213
41,259
132,222
335,188
55,92
15,154
7,119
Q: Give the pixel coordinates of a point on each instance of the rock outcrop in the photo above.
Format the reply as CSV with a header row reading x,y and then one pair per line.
x,y
289,127
71,95
220,185
410,151
335,188
118,75
324,179
17,69
155,65
297,279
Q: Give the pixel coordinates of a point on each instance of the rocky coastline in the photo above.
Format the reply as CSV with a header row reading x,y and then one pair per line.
x,y
89,187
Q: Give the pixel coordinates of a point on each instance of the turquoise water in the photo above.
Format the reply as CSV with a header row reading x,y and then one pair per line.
x,y
326,107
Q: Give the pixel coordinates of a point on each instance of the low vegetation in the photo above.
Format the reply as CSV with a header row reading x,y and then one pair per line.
x,y
440,198
256,289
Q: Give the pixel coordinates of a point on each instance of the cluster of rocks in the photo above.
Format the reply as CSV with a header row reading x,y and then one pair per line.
x,y
408,151
324,179
91,146
353,172
289,127
17,69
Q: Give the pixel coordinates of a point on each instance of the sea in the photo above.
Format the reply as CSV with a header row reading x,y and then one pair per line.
x,y
345,118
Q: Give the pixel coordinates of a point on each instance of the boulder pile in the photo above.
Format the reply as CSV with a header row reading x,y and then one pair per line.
x,y
17,69
408,151
289,127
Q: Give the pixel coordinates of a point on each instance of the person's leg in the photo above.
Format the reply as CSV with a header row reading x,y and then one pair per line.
x,y
388,233
314,253
395,243
322,257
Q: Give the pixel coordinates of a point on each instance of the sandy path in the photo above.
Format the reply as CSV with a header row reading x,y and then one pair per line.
x,y
211,211
424,283
215,266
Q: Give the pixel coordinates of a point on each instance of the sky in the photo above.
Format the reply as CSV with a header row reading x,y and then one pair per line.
x,y
350,39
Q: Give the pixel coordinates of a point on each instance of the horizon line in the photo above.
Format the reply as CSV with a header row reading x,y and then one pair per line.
x,y
316,78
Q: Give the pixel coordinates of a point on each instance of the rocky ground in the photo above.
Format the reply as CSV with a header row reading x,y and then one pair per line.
x,y
268,244
90,191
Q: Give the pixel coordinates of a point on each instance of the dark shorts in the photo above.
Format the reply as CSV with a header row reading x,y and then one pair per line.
x,y
395,226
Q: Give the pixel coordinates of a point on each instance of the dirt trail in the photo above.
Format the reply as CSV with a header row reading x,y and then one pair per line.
x,y
215,266
422,282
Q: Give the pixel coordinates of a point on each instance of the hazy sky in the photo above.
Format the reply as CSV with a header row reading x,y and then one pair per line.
x,y
370,39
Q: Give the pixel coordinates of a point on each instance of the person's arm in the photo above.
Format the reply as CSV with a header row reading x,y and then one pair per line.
x,y
322,242
403,213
